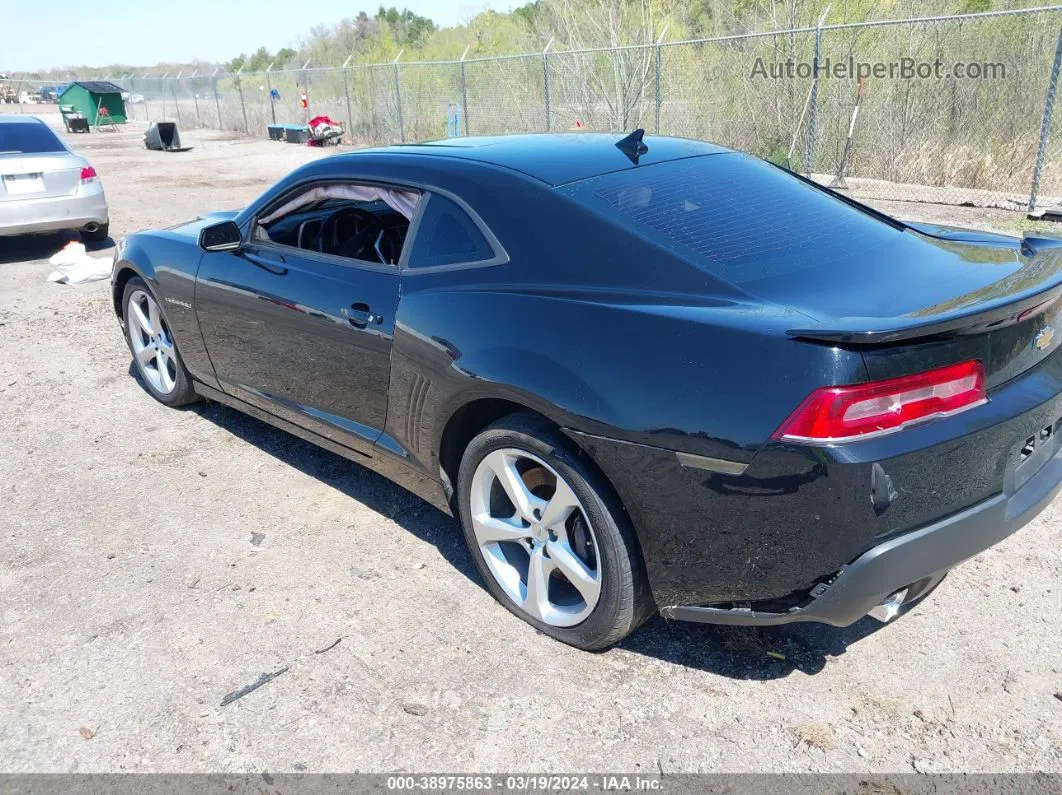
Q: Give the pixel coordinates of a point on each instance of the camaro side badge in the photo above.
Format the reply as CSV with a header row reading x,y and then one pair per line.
x,y
1043,338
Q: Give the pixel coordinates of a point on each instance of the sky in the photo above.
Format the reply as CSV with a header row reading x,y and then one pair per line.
x,y
100,32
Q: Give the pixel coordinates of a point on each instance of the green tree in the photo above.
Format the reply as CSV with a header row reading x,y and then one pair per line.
x,y
409,29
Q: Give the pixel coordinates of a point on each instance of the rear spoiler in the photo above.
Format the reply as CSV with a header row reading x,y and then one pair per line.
x,y
970,319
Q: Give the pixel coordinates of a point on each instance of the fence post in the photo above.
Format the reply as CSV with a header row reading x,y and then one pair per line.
x,y
306,91
658,57
464,90
269,90
173,88
127,87
398,98
162,90
346,93
131,82
217,102
545,79
243,108
195,99
1045,124
147,111
809,152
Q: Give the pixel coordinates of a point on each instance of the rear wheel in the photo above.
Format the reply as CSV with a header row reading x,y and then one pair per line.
x,y
548,536
154,352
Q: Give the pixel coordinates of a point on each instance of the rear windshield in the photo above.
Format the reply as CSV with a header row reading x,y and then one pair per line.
x,y
29,138
738,217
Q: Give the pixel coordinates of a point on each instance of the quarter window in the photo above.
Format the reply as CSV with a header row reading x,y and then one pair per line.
x,y
447,236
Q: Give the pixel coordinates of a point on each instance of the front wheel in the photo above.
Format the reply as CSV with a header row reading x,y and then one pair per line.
x,y
549,537
154,352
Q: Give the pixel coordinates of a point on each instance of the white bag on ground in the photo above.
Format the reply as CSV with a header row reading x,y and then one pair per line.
x,y
73,265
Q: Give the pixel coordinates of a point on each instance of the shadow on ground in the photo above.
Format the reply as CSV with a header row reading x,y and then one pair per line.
x,y
759,653
357,482
30,248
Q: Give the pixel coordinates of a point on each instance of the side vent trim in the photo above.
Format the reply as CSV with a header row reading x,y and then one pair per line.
x,y
418,393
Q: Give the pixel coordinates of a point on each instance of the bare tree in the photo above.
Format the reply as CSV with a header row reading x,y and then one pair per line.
x,y
616,81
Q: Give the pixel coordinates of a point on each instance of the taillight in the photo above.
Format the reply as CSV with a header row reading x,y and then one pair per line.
x,y
88,173
844,413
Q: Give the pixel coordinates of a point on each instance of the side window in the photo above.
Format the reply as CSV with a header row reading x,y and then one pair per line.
x,y
447,236
367,223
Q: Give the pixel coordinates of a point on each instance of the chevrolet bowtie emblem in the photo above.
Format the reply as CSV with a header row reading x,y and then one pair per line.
x,y
1043,338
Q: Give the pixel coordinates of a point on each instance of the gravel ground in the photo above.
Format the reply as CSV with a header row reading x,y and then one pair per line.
x,y
154,562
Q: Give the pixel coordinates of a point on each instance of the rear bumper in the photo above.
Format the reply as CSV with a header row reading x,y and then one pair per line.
x,y
31,216
915,556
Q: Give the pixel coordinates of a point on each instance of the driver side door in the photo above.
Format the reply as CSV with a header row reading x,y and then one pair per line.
x,y
303,335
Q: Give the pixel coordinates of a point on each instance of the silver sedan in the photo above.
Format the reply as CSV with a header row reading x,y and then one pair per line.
x,y
45,187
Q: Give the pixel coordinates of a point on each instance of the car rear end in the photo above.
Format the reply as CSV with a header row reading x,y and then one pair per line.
x,y
932,431
44,187
922,470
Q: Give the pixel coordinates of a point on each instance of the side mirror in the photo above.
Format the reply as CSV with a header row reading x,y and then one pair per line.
x,y
220,237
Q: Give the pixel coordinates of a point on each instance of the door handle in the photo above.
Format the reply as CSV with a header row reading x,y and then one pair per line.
x,y
360,315
273,265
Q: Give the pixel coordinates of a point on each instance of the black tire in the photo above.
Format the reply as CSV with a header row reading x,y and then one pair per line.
x,y
183,392
98,236
625,600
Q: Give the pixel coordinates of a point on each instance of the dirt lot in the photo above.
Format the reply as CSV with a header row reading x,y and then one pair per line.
x,y
154,561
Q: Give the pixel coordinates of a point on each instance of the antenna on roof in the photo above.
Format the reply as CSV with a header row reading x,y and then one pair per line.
x,y
633,146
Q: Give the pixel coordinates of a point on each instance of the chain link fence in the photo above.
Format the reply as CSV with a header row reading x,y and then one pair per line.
x,y
505,95
954,110
1047,179
709,91
948,139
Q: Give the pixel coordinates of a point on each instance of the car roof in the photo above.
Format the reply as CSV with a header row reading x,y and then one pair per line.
x,y
554,158
15,118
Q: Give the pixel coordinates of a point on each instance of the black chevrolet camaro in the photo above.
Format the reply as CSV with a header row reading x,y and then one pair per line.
x,y
643,374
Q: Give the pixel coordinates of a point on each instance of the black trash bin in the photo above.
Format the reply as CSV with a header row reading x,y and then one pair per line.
x,y
296,133
163,136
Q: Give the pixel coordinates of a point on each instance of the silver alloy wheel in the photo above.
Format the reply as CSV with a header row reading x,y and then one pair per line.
x,y
152,345
535,537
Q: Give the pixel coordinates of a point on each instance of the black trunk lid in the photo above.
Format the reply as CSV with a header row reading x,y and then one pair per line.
x,y
934,296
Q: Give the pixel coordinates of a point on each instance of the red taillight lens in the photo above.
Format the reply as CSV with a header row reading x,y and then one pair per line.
x,y
88,173
844,413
